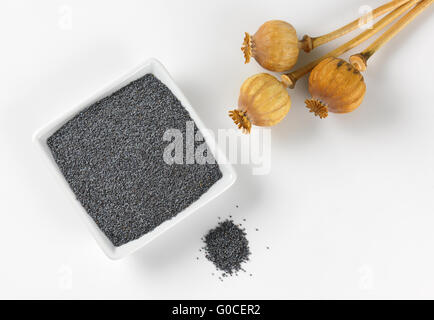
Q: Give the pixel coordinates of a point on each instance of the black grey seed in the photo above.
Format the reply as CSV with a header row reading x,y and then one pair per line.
x,y
111,154
227,247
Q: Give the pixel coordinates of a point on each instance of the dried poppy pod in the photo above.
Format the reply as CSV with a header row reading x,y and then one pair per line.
x,y
335,86
264,101
275,45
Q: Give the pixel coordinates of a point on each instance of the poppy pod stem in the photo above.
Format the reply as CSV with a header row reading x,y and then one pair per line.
x,y
290,79
309,43
359,61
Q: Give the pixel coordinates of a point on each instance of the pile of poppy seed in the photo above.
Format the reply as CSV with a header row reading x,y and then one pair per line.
x,y
111,154
227,247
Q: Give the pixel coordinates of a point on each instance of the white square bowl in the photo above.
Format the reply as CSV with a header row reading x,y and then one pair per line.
x,y
154,67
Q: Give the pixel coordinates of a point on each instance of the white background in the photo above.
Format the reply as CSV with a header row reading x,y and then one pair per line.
x,y
347,210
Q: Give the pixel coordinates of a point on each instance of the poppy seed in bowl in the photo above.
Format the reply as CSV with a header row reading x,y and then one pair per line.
x,y
111,155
